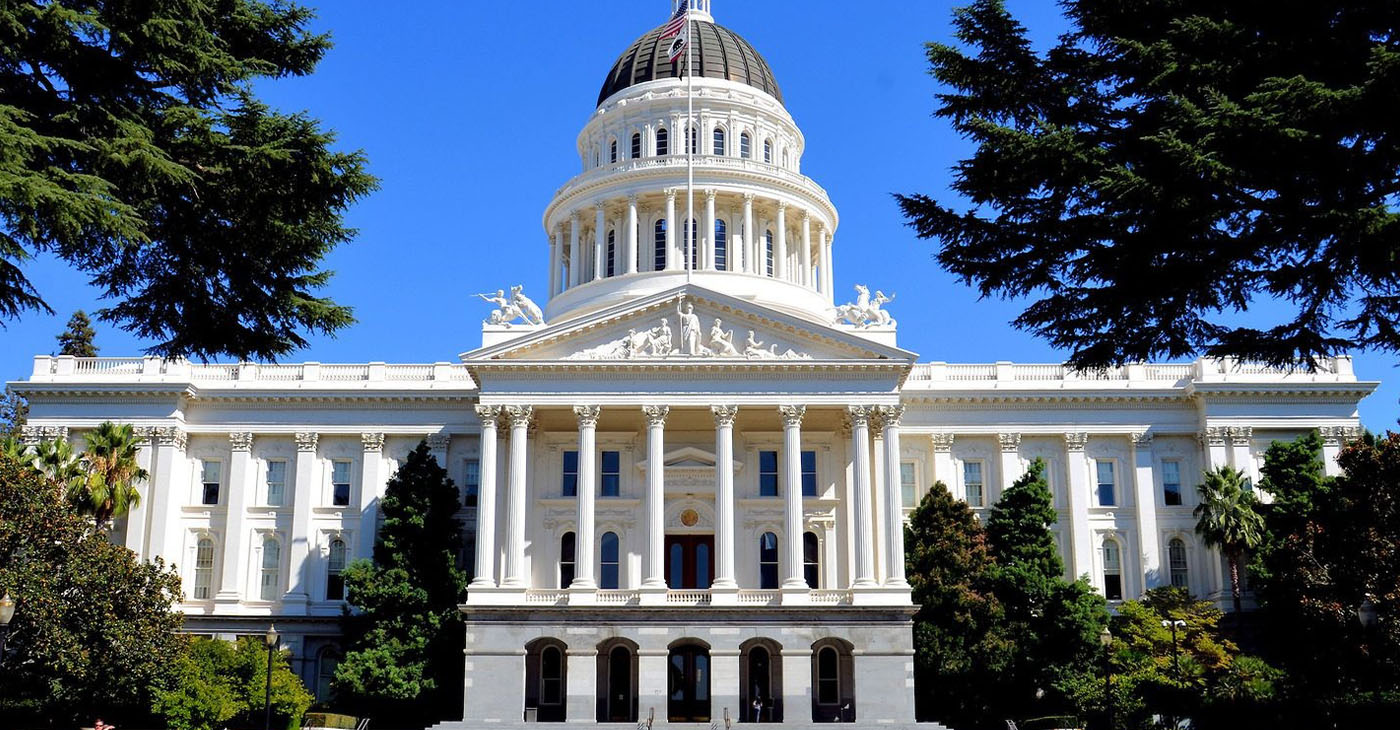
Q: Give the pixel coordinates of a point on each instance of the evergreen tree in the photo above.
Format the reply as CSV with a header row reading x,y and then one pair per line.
x,y
1053,623
14,411
959,649
134,148
94,629
1165,164
77,339
1226,519
404,658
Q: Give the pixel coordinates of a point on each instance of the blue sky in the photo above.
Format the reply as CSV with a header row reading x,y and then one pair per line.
x,y
469,112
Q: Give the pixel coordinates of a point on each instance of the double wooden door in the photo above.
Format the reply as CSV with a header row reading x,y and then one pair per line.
x,y
690,561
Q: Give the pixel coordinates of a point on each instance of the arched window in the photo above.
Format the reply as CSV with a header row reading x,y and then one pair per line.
x,y
545,680
636,145
768,249
612,151
662,141
811,560
658,262
1112,570
335,581
693,244
608,573
785,158
567,549
203,568
610,263
551,676
271,559
744,142
768,151
694,141
719,141
326,662
1176,561
828,676
768,561
721,245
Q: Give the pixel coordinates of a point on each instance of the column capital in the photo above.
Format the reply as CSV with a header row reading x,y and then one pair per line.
x,y
1142,439
240,441
631,198
600,206
519,415
724,415
859,415
1240,435
792,415
574,215
1212,436
1338,435
748,197
710,194
488,414
372,443
307,440
587,415
1076,440
942,442
656,415
670,195
806,215
891,415
1010,442
146,435
782,206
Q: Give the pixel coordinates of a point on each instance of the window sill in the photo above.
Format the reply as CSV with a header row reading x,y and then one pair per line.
x,y
340,511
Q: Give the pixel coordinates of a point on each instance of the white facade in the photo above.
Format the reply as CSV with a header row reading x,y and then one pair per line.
x,y
723,493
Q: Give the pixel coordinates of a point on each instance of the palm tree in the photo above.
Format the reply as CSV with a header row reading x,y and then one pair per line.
x,y
108,489
15,450
56,461
1226,519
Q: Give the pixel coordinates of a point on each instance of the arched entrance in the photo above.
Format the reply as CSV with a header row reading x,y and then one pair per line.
x,y
688,682
833,681
760,681
545,680
617,681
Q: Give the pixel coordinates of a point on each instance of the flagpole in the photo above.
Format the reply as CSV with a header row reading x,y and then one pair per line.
x,y
691,140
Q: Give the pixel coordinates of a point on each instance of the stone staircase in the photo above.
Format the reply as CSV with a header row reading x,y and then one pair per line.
x,y
661,725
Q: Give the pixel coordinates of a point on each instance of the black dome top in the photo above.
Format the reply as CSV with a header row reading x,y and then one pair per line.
x,y
719,53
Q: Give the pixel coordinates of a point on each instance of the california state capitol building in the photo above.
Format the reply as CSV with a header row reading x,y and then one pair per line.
x,y
684,467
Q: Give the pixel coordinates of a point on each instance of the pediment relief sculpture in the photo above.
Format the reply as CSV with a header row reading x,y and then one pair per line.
x,y
688,340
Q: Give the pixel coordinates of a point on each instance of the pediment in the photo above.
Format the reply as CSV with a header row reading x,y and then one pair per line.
x,y
687,325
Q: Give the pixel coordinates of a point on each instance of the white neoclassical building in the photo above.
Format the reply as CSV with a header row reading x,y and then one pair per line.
x,y
683,480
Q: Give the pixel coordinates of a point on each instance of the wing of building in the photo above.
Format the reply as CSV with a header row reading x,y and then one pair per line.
x,y
685,475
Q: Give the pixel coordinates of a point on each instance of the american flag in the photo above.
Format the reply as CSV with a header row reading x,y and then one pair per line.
x,y
677,21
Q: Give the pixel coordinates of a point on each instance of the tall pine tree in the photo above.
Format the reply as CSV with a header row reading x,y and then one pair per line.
x,y
405,640
77,338
1053,623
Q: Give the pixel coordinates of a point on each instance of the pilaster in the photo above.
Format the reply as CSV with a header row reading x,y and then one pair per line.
x,y
1081,541
235,542
298,591
371,491
1145,500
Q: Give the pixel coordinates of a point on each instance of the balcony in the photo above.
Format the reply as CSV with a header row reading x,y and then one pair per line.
x,y
743,598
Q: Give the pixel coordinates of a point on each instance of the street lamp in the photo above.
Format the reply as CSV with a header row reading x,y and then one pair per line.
x,y
1175,624
7,612
1106,640
271,638
1369,616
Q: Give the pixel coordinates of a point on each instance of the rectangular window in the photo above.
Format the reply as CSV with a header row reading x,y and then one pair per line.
x,y
210,474
276,482
271,559
767,473
972,483
569,484
1112,571
611,480
1171,483
340,483
471,481
908,486
203,568
809,473
1106,492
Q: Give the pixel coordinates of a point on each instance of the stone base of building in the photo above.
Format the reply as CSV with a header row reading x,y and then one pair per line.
x,y
689,666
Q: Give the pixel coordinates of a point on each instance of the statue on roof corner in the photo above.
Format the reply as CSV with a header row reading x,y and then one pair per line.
x,y
864,311
509,309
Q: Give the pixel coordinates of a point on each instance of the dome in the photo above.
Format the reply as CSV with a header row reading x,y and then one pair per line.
x,y
719,53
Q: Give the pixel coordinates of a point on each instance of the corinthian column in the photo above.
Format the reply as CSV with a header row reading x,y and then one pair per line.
x,y
863,514
724,496
515,498
780,248
587,491
792,495
486,500
575,252
894,500
600,234
631,266
654,560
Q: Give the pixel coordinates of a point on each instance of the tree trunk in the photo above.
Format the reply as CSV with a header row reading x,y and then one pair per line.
x,y
1235,581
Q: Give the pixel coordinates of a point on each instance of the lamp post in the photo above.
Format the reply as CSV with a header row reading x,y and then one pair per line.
x,y
1175,624
271,638
1106,640
7,612
1369,616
